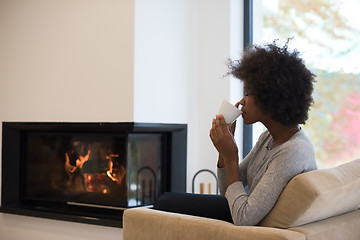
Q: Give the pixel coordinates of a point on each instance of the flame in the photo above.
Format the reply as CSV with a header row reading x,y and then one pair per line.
x,y
111,177
94,182
115,174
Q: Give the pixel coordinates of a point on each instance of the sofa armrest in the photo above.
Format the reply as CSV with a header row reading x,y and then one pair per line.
x,y
144,223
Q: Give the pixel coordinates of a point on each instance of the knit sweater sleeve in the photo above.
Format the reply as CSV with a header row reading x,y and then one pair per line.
x,y
242,170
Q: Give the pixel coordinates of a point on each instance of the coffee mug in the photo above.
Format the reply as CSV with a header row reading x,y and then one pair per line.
x,y
229,111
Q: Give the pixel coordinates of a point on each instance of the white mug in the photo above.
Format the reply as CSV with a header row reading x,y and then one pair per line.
x,y
229,111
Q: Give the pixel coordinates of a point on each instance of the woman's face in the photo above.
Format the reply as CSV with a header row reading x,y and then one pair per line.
x,y
251,111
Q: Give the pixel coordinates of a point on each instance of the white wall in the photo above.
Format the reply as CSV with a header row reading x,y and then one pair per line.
x,y
180,61
65,60
115,60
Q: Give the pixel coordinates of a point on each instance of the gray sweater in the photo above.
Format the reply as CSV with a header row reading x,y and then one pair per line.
x,y
266,173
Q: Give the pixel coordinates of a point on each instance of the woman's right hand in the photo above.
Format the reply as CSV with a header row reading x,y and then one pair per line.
x,y
223,141
232,126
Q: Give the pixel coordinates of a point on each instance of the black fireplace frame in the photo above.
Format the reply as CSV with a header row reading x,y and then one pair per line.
x,y
173,167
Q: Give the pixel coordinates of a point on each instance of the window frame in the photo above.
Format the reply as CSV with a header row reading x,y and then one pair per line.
x,y
248,39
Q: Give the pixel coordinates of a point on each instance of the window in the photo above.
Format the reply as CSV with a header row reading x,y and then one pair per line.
x,y
327,33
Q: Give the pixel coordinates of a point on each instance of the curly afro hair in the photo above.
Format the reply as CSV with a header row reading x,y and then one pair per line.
x,y
279,81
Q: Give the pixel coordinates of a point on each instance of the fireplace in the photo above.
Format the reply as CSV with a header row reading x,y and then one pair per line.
x,y
89,172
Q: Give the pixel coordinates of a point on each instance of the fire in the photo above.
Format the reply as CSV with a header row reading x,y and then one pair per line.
x,y
82,161
115,174
109,175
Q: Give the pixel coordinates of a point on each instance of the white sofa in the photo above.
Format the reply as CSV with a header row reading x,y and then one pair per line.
x,y
322,204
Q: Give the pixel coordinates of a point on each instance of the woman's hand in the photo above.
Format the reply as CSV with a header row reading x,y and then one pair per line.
x,y
222,136
223,140
231,127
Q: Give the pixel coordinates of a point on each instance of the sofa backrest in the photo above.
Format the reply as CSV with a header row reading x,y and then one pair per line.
x,y
317,195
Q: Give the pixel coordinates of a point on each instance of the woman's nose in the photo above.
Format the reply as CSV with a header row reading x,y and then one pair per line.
x,y
238,104
242,101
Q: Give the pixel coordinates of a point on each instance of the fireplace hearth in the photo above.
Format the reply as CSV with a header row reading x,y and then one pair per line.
x,y
89,172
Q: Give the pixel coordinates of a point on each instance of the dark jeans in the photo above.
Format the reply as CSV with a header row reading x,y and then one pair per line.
x,y
202,205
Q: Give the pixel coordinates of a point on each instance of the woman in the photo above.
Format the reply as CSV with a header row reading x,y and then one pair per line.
x,y
278,93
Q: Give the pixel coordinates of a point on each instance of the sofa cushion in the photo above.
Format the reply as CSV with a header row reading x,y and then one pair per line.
x,y
317,195
345,226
